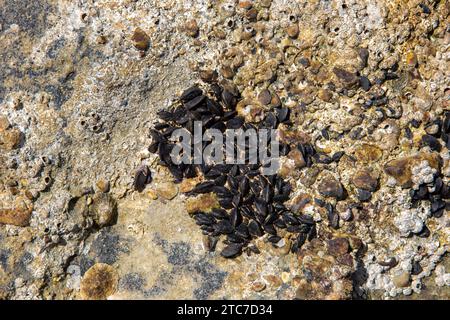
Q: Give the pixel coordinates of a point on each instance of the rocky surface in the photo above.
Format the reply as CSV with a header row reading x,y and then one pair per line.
x,y
81,82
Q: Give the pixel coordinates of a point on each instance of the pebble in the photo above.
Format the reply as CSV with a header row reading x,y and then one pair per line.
x,y
166,190
265,97
258,286
330,187
191,28
297,157
338,246
401,280
103,185
364,82
285,277
348,79
365,180
325,95
273,280
141,39
99,282
104,209
292,30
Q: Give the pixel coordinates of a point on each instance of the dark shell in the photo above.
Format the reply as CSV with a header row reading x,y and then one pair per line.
x,y
226,203
244,186
192,104
153,148
274,239
231,250
220,181
223,227
235,217
306,219
282,114
333,217
141,178
364,195
432,142
242,231
261,206
337,156
254,229
424,233
235,123
229,99
214,108
270,229
191,93
219,214
203,187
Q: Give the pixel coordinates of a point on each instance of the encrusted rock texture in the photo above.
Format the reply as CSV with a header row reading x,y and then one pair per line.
x,y
80,85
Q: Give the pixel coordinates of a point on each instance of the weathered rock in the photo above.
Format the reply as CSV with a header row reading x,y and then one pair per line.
x,y
17,213
10,139
99,282
293,30
367,153
202,203
297,157
400,168
4,123
273,280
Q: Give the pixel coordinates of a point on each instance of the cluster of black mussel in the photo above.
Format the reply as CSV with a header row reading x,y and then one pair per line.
x,y
440,191
251,203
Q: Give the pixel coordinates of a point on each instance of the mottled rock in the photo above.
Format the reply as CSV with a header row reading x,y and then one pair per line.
x,y
330,187
367,153
347,78
365,179
338,246
99,282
